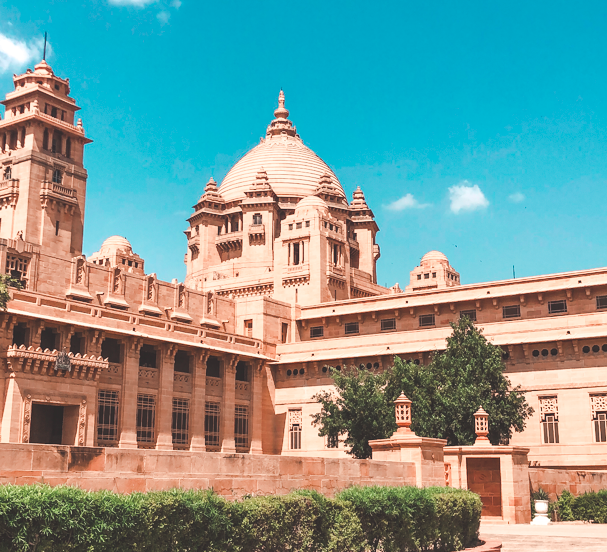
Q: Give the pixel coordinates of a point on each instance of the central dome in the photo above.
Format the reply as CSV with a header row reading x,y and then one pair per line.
x,y
293,169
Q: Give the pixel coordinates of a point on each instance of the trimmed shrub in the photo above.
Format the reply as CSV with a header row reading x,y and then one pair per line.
x,y
591,507
392,519
563,504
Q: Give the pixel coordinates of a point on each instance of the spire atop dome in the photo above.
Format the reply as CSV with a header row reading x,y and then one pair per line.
x,y
281,125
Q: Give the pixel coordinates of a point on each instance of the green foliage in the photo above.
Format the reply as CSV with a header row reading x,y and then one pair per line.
x,y
540,494
563,505
590,507
445,394
404,519
6,282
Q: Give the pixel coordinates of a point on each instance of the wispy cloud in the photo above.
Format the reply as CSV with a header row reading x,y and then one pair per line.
x,y
467,197
406,202
516,197
135,3
15,54
163,17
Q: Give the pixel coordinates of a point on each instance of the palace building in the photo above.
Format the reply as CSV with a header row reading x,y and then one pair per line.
x,y
281,284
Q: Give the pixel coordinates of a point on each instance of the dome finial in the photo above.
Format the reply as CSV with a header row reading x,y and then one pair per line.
x,y
281,112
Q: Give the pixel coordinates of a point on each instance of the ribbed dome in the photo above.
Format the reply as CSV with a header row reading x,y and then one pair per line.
x,y
116,243
435,256
293,169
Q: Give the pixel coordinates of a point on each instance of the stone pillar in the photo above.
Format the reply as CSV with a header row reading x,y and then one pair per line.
x,y
197,408
128,397
11,417
164,408
229,400
256,414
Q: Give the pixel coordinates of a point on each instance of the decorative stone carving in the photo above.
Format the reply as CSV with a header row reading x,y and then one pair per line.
x,y
481,425
402,410
27,418
549,405
149,303
81,423
598,403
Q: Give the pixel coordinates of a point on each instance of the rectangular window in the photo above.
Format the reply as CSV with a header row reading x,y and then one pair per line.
x,y
317,331
284,333
549,416
298,225
180,426
241,426
426,320
601,301
427,276
332,441
211,424
351,328
419,276
470,314
295,423
146,418
16,267
388,324
557,306
107,417
290,227
307,224
248,328
551,429
511,311
600,428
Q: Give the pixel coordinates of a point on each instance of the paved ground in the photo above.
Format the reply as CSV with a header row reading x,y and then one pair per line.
x,y
556,537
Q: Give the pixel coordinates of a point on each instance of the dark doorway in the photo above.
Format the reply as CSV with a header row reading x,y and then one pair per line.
x,y
47,424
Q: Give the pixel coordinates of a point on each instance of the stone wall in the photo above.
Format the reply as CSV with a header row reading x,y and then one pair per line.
x,y
231,475
554,481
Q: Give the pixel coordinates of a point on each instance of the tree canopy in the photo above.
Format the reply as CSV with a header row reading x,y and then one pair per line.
x,y
445,394
5,282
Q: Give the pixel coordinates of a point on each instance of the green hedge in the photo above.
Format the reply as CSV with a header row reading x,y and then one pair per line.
x,y
590,507
48,519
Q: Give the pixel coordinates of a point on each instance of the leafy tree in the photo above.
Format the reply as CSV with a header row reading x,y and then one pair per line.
x,y
5,282
445,396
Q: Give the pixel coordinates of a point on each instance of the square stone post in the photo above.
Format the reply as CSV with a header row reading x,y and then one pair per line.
x,y
197,409
229,400
256,415
128,397
164,409
11,431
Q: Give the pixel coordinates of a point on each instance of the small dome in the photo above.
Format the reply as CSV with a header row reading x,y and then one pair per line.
x,y
311,203
435,256
116,243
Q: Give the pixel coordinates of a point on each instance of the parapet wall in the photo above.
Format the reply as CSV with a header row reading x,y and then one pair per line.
x,y
231,475
577,482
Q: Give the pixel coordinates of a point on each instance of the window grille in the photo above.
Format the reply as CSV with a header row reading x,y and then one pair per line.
x,y
332,441
351,328
426,320
601,301
317,331
107,416
388,324
146,417
17,267
295,423
511,311
181,421
241,426
57,175
549,417
598,406
211,424
471,314
555,307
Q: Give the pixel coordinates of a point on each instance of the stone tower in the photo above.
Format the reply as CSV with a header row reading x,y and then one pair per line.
x,y
43,181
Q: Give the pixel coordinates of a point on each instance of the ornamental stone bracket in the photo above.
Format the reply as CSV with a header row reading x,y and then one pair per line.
x,y
9,192
38,362
57,196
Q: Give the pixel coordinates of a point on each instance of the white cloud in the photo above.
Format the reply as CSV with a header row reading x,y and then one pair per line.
x,y
406,202
176,4
163,17
516,197
466,197
136,3
15,54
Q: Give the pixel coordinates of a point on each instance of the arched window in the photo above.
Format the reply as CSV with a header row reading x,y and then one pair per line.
x,y
13,140
45,139
57,176
22,139
57,142
68,147
256,218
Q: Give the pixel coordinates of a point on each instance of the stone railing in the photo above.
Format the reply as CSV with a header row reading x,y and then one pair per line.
x,y
180,377
213,382
9,192
148,373
242,386
228,242
52,191
38,362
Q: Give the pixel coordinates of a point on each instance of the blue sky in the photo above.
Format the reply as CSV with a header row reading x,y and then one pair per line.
x,y
474,128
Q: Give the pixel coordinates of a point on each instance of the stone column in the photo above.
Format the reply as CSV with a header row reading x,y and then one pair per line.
x,y
128,397
229,400
197,408
256,414
164,407
11,418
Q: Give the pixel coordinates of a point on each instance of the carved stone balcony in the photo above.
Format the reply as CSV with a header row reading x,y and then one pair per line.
x,y
9,192
38,362
257,234
376,253
229,242
53,194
